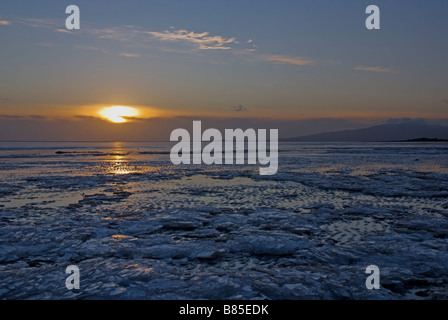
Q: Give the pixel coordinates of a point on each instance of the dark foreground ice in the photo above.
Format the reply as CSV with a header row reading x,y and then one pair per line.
x,y
140,228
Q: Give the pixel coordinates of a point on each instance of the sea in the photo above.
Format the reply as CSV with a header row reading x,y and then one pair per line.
x,y
138,227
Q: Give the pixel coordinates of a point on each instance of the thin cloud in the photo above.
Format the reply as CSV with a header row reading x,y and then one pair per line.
x,y
445,101
40,23
21,117
298,61
374,69
124,33
202,40
127,33
121,33
239,108
128,55
4,23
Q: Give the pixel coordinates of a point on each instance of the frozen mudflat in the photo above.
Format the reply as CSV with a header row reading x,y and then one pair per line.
x,y
140,228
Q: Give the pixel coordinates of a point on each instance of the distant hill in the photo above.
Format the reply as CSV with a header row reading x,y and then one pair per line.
x,y
384,132
425,140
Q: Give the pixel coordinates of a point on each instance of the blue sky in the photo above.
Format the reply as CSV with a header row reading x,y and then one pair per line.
x,y
278,59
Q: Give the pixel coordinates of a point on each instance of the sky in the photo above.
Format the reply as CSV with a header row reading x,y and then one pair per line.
x,y
308,66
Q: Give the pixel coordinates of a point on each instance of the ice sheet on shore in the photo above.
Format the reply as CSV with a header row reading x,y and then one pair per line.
x,y
156,231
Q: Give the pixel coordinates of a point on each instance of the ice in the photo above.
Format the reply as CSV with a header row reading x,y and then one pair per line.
x,y
276,245
141,228
165,251
176,224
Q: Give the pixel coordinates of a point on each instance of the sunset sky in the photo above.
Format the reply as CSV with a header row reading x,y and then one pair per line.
x,y
245,59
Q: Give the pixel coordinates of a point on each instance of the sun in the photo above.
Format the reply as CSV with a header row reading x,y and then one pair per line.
x,y
118,114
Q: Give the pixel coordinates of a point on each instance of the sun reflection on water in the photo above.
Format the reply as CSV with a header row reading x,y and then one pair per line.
x,y
119,165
